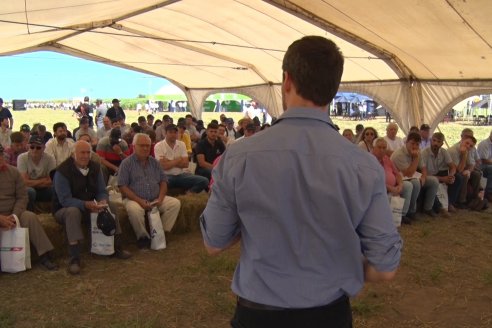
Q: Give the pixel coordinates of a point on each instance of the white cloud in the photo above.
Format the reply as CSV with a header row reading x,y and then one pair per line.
x,y
169,89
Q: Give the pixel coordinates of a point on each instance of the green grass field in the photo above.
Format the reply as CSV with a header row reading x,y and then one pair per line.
x,y
48,117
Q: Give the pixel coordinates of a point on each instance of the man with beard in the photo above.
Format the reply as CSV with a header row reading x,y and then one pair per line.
x,y
59,146
439,164
207,150
305,247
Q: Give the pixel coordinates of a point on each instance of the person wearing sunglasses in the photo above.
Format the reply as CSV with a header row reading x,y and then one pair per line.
x,y
35,166
367,138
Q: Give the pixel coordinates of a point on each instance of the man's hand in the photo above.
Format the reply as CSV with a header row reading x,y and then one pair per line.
x,y
415,153
145,204
95,207
117,149
7,222
449,179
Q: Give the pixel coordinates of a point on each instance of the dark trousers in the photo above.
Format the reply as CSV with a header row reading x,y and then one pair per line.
x,y
334,315
453,189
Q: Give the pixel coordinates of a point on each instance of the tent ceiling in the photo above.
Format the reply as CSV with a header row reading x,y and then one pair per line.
x,y
236,44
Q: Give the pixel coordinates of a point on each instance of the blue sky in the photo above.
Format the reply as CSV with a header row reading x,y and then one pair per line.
x,y
49,75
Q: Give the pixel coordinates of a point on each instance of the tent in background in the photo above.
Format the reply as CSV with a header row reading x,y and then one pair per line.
x,y
416,58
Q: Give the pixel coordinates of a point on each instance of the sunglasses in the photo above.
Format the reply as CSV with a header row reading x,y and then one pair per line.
x,y
36,147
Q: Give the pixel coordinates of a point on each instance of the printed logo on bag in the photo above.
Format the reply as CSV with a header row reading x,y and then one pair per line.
x,y
11,249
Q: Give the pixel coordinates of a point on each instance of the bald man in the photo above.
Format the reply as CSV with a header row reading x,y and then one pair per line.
x,y
79,191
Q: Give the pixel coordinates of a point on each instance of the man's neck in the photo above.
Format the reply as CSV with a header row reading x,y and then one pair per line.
x,y
435,152
210,141
60,142
170,143
36,158
142,160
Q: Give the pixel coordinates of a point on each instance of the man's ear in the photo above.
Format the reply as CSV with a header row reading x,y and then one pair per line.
x,y
287,82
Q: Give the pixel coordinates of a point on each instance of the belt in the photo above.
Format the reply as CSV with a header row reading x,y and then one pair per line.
x,y
257,306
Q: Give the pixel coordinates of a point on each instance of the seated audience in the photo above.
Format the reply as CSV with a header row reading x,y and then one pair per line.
x,y
5,132
485,153
207,150
367,138
112,150
60,147
349,135
173,158
185,137
17,147
394,142
408,159
85,129
143,185
425,135
105,129
13,201
35,167
41,131
79,190
395,185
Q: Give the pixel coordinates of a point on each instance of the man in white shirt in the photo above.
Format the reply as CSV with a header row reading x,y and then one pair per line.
x,y
485,153
173,157
393,141
60,147
101,110
105,129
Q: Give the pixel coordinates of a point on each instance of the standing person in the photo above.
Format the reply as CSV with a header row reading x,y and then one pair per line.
x,y
101,110
485,152
116,111
304,247
5,113
86,109
5,132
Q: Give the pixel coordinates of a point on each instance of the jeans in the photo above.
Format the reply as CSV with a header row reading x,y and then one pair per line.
x,y
188,181
38,195
408,194
207,173
487,173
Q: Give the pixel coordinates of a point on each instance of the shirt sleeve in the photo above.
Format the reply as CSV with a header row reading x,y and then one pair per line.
x,y
123,173
381,243
22,163
220,222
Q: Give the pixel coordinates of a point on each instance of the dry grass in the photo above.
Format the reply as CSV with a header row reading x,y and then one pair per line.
x,y
445,280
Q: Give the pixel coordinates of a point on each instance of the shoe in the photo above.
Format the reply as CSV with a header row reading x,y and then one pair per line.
x,y
444,213
47,263
74,266
452,209
461,206
406,220
122,254
430,213
143,243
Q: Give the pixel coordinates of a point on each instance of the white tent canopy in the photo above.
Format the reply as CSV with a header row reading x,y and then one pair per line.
x,y
415,57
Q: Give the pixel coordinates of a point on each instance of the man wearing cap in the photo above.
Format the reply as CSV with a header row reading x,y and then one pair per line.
x,y
17,146
305,248
60,147
5,113
485,153
207,150
439,164
26,133
116,111
79,190
231,132
35,167
112,150
13,200
425,135
86,109
143,184
173,158
101,110
84,128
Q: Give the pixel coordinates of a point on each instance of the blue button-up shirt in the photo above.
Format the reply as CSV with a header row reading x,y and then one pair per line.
x,y
143,180
308,205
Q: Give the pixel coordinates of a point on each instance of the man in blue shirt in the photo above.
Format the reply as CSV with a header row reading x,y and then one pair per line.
x,y
313,219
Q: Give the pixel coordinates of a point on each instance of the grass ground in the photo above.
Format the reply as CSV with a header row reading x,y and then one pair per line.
x,y
445,280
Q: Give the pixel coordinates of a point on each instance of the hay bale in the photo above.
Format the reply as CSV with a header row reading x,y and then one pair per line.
x,y
192,206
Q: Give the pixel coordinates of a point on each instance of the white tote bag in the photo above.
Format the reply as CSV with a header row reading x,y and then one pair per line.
x,y
396,204
442,195
100,243
157,236
15,249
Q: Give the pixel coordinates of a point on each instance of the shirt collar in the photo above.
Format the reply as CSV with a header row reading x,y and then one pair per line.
x,y
306,113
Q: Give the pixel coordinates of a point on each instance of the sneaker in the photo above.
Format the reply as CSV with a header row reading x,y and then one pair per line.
x,y
74,266
143,243
452,209
122,254
430,213
444,213
47,263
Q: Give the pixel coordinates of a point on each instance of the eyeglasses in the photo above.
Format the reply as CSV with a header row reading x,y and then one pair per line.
x,y
36,147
